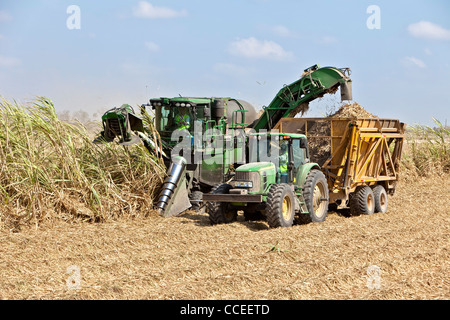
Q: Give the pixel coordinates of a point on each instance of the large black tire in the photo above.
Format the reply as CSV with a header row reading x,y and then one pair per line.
x,y
196,201
280,207
220,212
381,199
315,193
362,201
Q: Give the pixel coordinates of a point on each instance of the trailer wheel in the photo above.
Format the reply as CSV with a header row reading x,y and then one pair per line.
x,y
315,193
280,207
381,199
219,212
362,201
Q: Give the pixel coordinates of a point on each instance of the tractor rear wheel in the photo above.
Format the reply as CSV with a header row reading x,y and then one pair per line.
x,y
362,201
280,207
315,193
220,212
381,199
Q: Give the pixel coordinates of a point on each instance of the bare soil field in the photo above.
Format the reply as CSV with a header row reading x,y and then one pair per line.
x,y
186,258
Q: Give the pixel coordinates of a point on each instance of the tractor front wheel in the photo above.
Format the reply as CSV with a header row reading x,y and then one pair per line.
x,y
315,193
280,208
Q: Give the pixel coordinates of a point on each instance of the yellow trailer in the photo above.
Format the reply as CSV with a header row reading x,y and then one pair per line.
x,y
360,157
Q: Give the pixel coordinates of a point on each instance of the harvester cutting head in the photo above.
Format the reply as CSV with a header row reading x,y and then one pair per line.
x,y
120,122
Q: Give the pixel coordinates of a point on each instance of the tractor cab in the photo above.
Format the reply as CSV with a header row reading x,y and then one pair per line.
x,y
287,152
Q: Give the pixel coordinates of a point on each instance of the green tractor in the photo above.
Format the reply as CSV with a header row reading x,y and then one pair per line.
x,y
284,191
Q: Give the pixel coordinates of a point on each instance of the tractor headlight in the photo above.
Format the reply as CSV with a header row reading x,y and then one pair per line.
x,y
244,184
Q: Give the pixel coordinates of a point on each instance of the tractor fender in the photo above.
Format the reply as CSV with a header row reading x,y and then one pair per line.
x,y
303,173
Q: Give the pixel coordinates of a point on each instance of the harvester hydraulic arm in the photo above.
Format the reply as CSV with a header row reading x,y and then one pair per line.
x,y
294,98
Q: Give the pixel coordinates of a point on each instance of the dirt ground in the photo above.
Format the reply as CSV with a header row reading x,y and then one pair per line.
x,y
402,254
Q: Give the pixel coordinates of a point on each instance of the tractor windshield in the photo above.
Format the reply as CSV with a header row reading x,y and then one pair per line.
x,y
266,148
275,149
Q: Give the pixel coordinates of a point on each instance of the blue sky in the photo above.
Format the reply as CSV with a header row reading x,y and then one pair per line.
x,y
130,51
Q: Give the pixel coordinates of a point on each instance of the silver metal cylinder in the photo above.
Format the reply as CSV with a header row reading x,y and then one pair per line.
x,y
176,170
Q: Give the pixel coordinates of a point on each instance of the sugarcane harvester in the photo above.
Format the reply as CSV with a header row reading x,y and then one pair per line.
x,y
189,176
186,180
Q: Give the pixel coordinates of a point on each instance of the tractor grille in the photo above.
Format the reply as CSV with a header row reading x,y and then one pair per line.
x,y
242,176
249,176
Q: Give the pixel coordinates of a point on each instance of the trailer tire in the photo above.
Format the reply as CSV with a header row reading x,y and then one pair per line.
x,y
381,199
280,207
315,193
362,201
220,212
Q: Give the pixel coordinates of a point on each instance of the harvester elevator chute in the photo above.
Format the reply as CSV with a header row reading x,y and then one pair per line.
x,y
294,98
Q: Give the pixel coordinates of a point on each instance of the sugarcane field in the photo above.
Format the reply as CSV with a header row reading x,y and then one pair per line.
x,y
155,157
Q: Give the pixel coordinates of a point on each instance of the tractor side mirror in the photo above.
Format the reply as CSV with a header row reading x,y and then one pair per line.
x,y
303,143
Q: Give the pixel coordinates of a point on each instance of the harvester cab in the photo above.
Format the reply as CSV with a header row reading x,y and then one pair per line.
x,y
219,114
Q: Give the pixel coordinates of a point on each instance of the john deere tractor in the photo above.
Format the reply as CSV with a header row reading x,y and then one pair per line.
x,y
280,190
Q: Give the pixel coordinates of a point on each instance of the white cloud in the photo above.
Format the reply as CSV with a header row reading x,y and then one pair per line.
x,y
151,46
8,62
284,32
254,48
413,61
5,16
149,11
428,30
428,52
